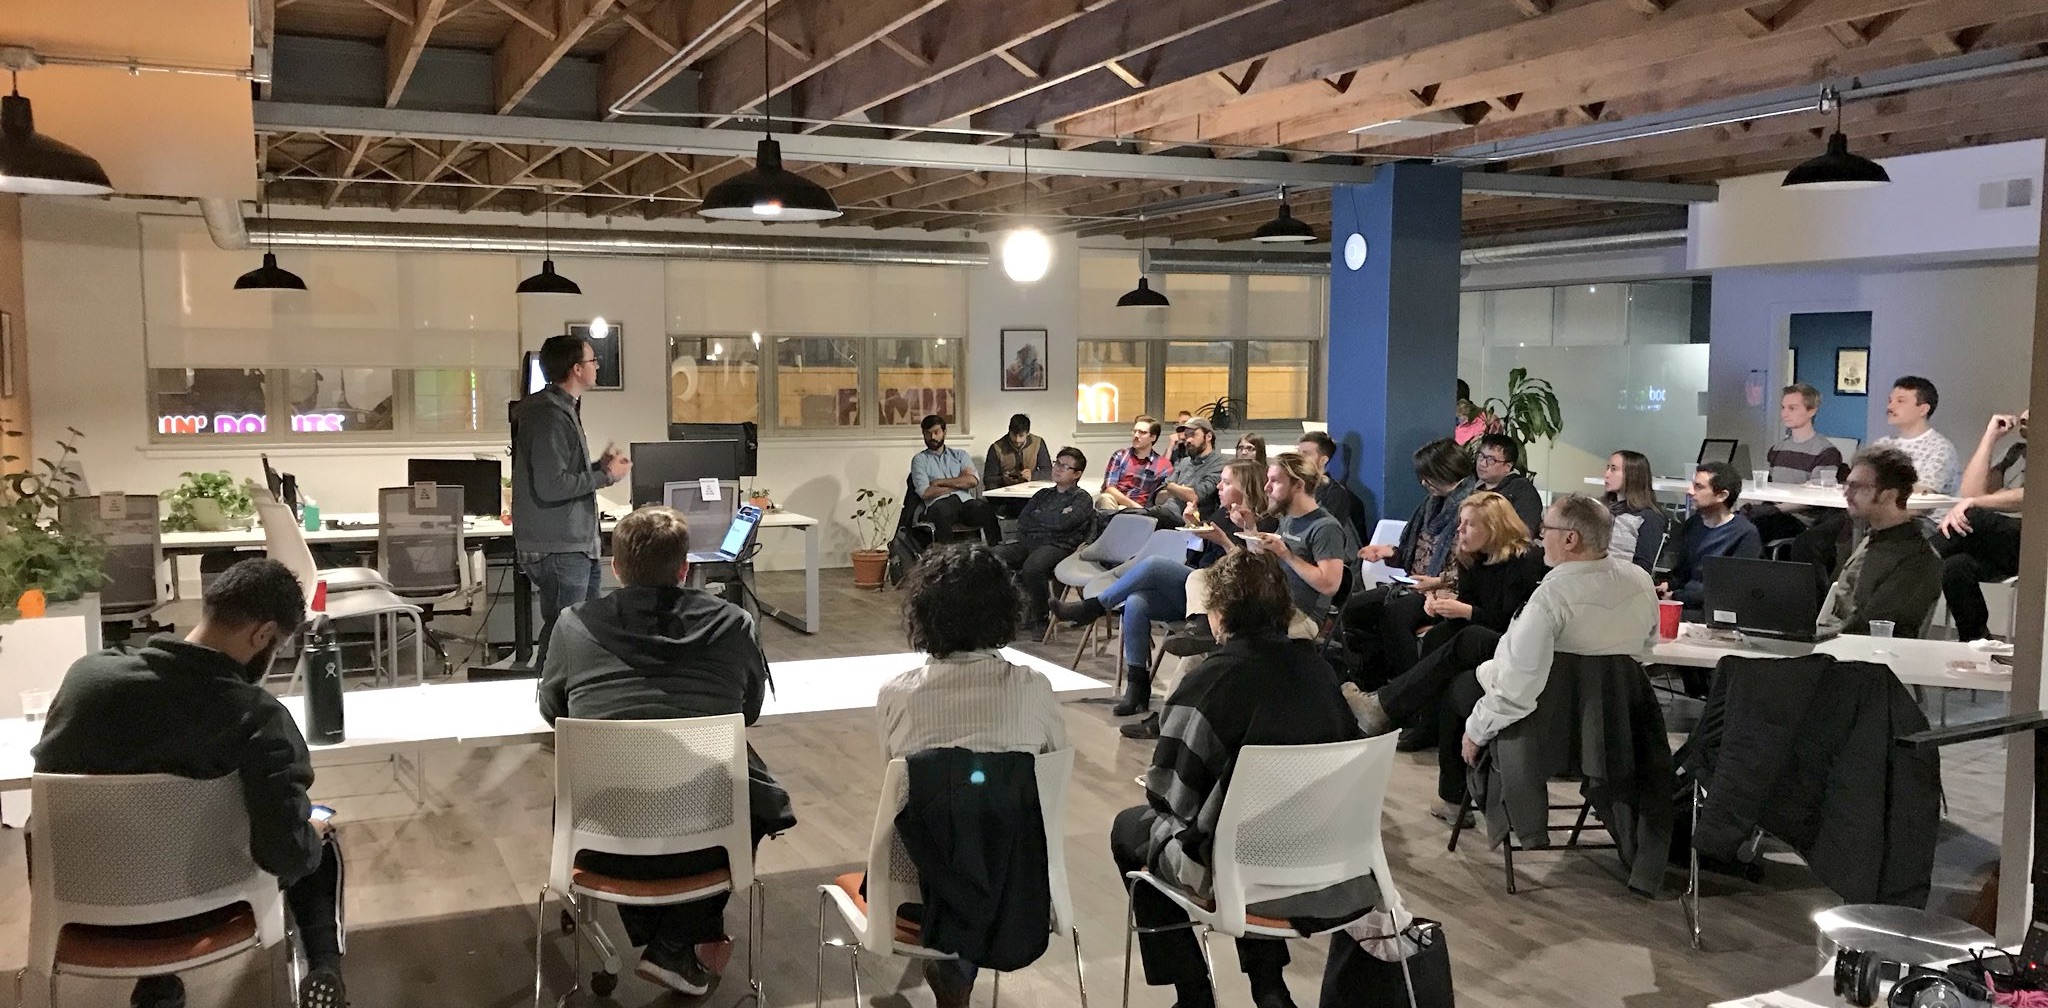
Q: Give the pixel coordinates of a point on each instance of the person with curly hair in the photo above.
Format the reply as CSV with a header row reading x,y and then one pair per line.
x,y
1260,688
960,606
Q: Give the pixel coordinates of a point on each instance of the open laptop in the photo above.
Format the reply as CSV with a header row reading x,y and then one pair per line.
x,y
737,535
1765,600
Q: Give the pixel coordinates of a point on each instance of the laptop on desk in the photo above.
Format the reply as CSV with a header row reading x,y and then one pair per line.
x,y
1770,602
737,537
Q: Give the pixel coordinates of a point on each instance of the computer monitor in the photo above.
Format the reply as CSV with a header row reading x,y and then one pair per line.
x,y
480,480
748,435
532,378
1720,450
707,518
1771,599
659,463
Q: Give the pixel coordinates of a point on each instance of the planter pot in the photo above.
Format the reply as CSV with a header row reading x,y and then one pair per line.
x,y
870,568
763,503
207,514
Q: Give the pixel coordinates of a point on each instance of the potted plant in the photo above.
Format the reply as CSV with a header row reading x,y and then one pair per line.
x,y
871,520
759,497
36,553
1224,412
1529,412
207,502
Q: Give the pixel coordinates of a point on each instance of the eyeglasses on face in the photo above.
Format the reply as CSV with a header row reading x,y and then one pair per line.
x,y
1493,459
1057,466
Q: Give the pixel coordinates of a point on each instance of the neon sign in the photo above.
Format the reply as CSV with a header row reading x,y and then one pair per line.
x,y
1098,403
248,423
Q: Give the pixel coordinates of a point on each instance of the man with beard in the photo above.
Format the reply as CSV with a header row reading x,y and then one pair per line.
x,y
945,480
192,707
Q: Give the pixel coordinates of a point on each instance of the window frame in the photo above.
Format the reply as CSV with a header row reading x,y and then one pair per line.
x,y
277,403
1154,398
767,385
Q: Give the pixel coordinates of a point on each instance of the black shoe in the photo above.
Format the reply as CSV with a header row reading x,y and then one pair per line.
x,y
322,988
1415,740
158,992
1272,997
1146,729
1187,645
1078,613
1194,996
1137,697
684,974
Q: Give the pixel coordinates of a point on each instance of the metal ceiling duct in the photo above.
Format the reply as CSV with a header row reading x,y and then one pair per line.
x,y
1179,260
403,236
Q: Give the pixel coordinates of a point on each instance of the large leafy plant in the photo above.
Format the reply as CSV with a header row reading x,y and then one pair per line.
x,y
36,551
219,487
873,517
1529,412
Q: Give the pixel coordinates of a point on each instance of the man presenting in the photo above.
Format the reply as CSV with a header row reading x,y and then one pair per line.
x,y
192,707
1017,457
1713,530
1053,524
943,478
555,485
1893,573
1194,476
1979,538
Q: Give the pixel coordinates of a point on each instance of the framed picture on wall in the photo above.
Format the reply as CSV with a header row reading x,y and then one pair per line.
x,y
1024,360
610,372
1852,371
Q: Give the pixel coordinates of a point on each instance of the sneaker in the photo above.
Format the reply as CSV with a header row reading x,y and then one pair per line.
x,y
322,988
158,992
1453,812
688,976
1372,717
1146,729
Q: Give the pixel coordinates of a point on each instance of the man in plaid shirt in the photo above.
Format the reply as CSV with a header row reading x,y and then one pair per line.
x,y
1134,473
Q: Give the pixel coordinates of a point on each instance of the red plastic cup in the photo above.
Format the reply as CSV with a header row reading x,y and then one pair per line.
x,y
1668,612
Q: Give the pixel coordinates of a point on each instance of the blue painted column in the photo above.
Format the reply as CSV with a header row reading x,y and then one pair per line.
x,y
1392,379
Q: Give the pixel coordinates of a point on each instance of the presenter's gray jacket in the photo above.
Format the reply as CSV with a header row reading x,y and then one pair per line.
x,y
554,482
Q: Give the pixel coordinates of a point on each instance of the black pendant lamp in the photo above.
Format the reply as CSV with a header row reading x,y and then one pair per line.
x,y
1284,227
768,192
31,162
547,281
1837,169
1142,296
269,276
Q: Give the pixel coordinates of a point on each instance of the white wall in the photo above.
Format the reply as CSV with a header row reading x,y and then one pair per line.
x,y
1968,328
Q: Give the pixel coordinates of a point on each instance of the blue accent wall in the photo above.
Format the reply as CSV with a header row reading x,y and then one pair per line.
x,y
1815,338
1393,330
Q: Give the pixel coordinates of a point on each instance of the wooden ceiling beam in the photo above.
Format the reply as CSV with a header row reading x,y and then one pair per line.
x,y
346,160
428,170
526,55
638,65
732,78
403,45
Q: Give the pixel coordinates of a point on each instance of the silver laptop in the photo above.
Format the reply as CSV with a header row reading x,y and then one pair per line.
x,y
737,536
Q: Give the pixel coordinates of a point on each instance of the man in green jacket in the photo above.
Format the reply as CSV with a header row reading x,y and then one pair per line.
x,y
1894,573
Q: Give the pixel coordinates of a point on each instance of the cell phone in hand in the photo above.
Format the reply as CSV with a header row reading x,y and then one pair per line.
x,y
322,813
1403,578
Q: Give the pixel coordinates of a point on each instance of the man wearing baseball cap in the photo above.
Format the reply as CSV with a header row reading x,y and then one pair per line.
x,y
1194,477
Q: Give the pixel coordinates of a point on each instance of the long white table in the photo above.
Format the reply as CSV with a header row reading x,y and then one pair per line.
x,y
414,720
1804,494
1025,491
1915,662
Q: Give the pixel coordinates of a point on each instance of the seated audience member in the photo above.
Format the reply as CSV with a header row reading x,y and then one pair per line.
x,y
1804,453
959,609
1332,496
1155,588
1260,688
1893,574
1589,604
1908,410
943,479
1378,615
1497,572
1713,530
1251,447
1053,524
1179,449
1639,524
1472,422
650,651
195,707
1495,463
1194,477
1979,538
1017,457
1310,543
1135,473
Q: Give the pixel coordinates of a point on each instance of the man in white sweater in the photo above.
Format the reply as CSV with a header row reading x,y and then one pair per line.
x,y
1588,604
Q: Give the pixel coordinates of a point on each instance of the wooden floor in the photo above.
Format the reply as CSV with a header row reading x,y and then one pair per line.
x,y
440,898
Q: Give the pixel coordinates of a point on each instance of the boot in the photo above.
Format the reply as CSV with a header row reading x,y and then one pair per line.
x,y
1137,692
1079,613
1144,730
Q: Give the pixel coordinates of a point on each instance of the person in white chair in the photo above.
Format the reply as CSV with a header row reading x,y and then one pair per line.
x,y
650,651
193,707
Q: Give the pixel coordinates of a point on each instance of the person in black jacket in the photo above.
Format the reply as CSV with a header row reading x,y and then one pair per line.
x,y
1639,524
1053,524
1377,615
1260,688
192,708
1497,464
655,650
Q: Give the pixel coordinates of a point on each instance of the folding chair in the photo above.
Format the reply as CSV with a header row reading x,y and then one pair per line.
x,y
891,879
142,875
1304,817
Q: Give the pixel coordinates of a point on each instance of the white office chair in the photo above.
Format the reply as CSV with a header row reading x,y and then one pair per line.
x,y
120,856
892,880
1170,544
1299,818
352,592
647,788
1373,573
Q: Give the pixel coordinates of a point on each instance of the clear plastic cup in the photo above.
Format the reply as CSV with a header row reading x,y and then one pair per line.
x,y
35,704
1882,630
1759,476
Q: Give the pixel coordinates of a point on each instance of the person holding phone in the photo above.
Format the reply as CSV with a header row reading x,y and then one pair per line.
x,y
1979,538
195,707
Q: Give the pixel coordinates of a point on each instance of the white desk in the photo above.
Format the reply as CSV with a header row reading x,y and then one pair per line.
x,y
1024,491
1915,662
412,720
1795,493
